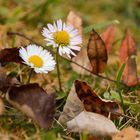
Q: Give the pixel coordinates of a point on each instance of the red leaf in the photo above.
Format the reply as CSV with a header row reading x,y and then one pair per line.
x,y
97,53
10,55
108,36
127,52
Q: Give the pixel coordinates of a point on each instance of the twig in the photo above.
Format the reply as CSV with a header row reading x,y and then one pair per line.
x,y
126,116
64,129
98,75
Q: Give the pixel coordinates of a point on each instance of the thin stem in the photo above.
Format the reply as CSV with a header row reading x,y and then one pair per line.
x,y
100,76
30,75
122,103
58,70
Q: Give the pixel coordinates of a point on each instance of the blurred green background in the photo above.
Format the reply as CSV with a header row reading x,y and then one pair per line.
x,y
34,14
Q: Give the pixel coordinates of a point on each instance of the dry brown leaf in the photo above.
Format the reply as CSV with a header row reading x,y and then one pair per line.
x,y
97,53
127,134
94,103
82,59
12,53
6,81
75,20
34,102
92,123
72,107
127,55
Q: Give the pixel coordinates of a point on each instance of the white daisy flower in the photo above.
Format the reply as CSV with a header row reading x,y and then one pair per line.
x,y
37,58
64,36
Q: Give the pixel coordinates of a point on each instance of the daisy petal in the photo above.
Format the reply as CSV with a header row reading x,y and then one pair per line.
x,y
37,58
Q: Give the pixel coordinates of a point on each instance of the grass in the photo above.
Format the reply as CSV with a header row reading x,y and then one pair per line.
x,y
29,17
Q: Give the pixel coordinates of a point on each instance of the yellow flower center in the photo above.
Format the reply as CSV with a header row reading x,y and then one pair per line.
x,y
36,61
61,38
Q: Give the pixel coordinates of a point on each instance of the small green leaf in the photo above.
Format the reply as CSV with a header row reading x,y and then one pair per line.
x,y
48,136
60,95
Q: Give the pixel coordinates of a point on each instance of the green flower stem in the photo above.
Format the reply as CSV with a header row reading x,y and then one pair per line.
x,y
58,70
30,75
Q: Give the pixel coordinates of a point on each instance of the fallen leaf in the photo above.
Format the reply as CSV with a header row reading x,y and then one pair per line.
x,y
127,55
10,55
92,123
97,53
72,107
75,20
81,59
6,81
95,104
108,37
34,102
127,134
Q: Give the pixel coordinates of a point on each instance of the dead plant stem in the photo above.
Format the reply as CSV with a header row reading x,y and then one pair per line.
x,y
98,75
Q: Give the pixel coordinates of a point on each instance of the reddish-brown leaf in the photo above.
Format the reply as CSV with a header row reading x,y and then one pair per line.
x,y
32,100
108,36
97,53
10,55
93,103
127,55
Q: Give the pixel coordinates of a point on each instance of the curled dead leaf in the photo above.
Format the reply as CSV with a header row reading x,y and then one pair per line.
x,y
127,55
81,59
34,102
72,107
12,53
92,123
97,53
6,81
75,20
95,104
